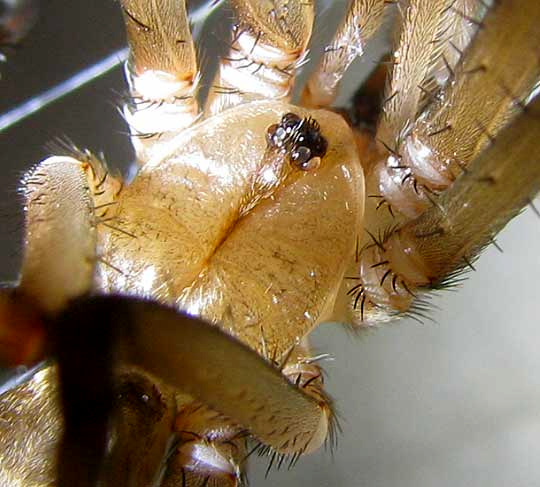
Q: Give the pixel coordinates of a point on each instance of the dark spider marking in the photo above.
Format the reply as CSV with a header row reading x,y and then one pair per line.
x,y
301,138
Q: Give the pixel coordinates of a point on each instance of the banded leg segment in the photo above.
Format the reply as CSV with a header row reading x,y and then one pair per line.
x,y
493,82
431,33
362,21
431,250
498,184
209,449
269,45
161,72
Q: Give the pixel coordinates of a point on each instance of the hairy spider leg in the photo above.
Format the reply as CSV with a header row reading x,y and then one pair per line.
x,y
269,45
162,73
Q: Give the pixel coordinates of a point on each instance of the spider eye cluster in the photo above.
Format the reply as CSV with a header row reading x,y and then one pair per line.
x,y
301,138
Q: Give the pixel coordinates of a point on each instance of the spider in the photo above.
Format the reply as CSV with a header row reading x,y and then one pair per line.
x,y
424,330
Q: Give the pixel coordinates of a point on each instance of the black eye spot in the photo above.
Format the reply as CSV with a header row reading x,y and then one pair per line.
x,y
301,157
290,120
301,138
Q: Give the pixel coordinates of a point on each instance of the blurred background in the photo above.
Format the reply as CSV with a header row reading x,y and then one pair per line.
x,y
453,402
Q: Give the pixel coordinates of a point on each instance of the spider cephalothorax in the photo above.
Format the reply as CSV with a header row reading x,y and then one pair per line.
x,y
249,223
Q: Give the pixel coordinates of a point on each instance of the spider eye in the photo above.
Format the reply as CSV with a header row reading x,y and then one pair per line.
x,y
301,138
301,158
290,120
317,143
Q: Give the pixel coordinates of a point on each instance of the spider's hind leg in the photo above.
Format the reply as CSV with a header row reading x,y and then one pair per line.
x,y
162,72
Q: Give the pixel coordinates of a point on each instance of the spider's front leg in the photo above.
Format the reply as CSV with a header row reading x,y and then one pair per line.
x,y
211,447
63,208
66,198
247,395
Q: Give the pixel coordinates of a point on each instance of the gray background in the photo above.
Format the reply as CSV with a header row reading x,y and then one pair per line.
x,y
450,403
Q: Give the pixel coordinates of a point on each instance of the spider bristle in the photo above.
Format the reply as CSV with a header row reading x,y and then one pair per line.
x,y
453,280
64,146
276,459
357,331
334,425
387,233
534,208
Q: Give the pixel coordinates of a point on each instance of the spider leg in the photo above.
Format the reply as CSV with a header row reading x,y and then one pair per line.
x,y
362,20
140,426
428,154
448,237
501,66
197,358
38,398
161,72
208,449
269,45
60,238
432,33
432,250
66,198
